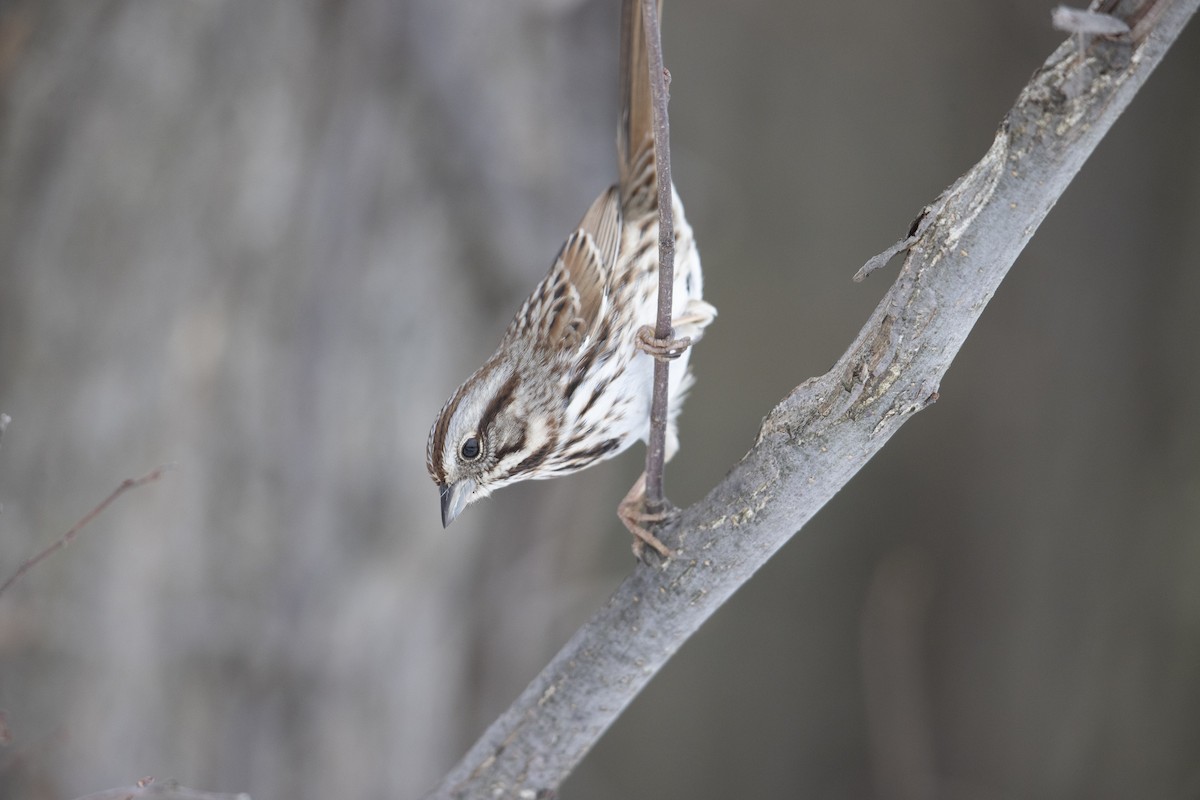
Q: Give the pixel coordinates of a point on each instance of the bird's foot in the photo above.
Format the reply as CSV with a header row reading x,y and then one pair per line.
x,y
632,512
661,349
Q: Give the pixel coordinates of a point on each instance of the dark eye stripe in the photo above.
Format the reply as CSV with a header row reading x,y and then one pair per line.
x,y
499,402
515,447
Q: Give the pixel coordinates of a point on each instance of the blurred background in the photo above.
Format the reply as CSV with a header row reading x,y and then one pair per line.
x,y
265,239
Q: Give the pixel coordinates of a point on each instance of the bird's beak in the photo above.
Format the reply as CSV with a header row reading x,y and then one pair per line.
x,y
455,497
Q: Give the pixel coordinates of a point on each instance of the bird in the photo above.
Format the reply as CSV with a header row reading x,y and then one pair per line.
x,y
570,383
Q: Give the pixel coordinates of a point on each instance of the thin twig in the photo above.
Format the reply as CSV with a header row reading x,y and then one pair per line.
x,y
18,759
164,790
65,539
656,446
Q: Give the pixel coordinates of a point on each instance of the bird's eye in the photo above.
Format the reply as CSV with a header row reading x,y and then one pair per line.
x,y
470,449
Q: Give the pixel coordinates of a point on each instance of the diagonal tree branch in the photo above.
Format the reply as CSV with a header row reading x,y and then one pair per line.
x,y
827,428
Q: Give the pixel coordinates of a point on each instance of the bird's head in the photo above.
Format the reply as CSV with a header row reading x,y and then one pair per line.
x,y
483,439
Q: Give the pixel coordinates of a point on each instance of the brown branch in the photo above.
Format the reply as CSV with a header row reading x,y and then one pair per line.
x,y
166,790
66,538
656,445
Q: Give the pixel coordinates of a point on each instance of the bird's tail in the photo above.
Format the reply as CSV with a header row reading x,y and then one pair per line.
x,y
635,133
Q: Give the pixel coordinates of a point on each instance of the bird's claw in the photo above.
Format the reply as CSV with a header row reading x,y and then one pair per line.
x,y
661,349
633,514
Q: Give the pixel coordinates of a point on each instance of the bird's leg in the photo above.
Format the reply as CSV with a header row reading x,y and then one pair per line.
x,y
632,512
661,349
697,313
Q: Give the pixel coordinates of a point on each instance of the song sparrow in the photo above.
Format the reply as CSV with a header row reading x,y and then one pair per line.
x,y
570,384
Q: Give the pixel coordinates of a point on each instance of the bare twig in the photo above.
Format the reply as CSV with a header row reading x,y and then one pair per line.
x,y
827,428
656,445
20,758
166,790
66,538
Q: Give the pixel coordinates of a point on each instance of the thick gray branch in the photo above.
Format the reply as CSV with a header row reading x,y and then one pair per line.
x,y
822,433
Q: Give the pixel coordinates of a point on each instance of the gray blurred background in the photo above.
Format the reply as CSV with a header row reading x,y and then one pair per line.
x,y
265,239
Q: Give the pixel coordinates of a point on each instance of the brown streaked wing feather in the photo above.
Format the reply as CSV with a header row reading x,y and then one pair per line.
x,y
568,303
592,274
557,325
635,133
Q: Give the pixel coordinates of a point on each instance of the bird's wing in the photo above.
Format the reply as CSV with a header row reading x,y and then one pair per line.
x,y
569,303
